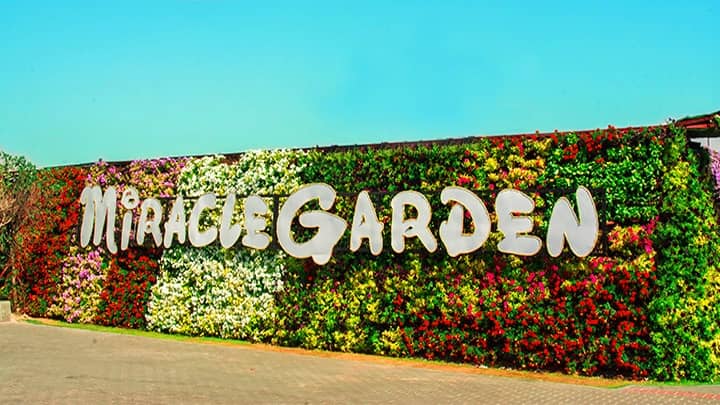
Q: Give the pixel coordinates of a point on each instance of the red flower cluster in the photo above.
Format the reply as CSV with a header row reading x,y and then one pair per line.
x,y
127,288
589,324
47,238
570,152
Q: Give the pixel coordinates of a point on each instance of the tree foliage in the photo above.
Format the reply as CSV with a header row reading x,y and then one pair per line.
x,y
17,176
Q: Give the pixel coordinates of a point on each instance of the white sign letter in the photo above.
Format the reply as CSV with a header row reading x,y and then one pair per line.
x,y
100,211
175,224
366,225
581,234
229,232
255,223
330,226
130,200
511,201
146,225
451,231
206,237
402,228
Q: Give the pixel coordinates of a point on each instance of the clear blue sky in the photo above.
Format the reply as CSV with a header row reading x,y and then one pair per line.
x,y
118,80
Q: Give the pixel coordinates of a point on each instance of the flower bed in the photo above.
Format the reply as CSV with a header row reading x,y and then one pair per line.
x,y
642,305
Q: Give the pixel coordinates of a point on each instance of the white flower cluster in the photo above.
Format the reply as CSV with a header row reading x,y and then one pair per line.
x,y
217,292
208,174
267,172
261,172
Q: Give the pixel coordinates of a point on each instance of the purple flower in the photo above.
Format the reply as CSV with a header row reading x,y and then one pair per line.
x,y
84,273
715,170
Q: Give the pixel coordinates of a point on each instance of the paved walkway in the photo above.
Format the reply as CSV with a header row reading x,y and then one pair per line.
x,y
45,364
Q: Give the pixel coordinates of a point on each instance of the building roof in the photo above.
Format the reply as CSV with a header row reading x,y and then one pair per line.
x,y
705,125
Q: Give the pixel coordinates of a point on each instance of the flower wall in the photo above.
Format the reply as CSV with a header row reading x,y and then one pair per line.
x,y
224,292
642,305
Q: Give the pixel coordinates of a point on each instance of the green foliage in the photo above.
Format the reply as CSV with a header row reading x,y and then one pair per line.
x,y
623,166
17,175
685,314
570,314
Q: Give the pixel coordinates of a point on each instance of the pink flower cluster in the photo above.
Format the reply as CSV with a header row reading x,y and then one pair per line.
x,y
82,280
151,177
715,171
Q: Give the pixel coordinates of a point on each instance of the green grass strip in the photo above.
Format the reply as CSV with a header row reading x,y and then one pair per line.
x,y
135,332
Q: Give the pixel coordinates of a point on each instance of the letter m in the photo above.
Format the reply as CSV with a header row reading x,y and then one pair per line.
x,y
100,212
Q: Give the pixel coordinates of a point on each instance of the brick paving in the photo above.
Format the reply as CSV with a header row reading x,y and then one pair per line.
x,y
44,364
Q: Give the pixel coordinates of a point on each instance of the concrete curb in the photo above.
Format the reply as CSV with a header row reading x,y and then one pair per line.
x,y
5,311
